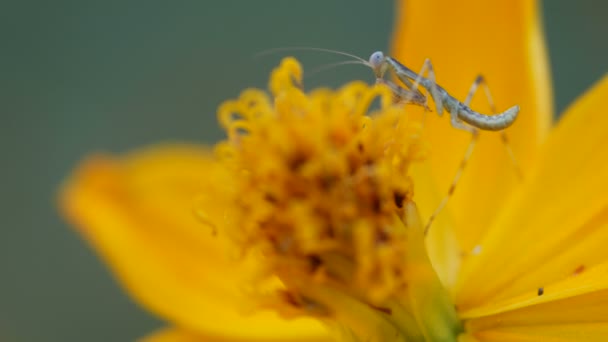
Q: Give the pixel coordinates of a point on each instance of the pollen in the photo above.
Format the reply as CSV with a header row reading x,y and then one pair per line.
x,y
321,186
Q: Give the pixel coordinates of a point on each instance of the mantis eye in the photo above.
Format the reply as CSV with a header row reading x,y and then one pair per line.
x,y
376,59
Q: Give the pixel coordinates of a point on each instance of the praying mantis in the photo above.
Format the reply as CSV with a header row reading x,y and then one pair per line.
x,y
461,115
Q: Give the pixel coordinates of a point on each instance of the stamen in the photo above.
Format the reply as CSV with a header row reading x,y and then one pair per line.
x,y
323,197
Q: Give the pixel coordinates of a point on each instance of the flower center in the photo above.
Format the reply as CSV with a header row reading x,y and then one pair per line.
x,y
323,196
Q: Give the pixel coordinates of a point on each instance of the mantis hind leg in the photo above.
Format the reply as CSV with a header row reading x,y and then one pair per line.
x,y
457,123
456,179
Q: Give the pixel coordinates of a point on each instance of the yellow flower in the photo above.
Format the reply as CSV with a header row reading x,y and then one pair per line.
x,y
303,225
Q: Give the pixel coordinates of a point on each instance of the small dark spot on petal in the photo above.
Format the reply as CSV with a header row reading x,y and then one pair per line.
x,y
541,291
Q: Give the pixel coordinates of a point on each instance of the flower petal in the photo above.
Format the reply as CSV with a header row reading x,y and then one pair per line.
x,y
579,298
556,224
547,333
576,308
442,244
503,41
467,338
180,335
137,212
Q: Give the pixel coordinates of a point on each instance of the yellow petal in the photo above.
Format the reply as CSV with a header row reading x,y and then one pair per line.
x,y
578,298
574,309
589,332
137,212
555,226
548,333
180,335
442,244
467,338
502,40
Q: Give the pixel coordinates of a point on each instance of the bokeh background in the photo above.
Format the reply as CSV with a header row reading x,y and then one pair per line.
x,y
82,76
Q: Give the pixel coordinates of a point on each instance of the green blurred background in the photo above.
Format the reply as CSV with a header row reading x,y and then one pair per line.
x,y
81,76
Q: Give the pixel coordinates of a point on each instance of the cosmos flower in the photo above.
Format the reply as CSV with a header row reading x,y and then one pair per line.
x,y
306,223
